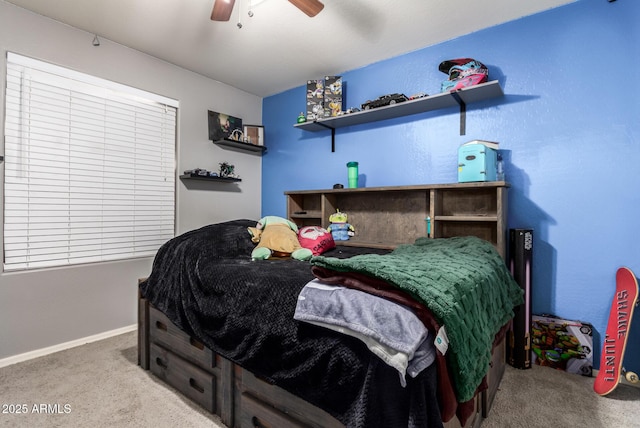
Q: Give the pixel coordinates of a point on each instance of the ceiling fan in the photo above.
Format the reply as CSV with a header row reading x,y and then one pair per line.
x,y
222,8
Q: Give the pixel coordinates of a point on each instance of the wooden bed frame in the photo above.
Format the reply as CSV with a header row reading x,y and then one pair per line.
x,y
243,400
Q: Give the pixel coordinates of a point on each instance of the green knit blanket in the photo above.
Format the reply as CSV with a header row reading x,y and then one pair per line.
x,y
463,281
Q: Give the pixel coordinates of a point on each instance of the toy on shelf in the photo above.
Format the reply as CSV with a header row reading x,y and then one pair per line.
x,y
227,170
463,72
339,228
332,96
384,100
315,99
199,172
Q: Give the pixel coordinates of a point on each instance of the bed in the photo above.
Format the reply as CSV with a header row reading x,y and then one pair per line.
x,y
220,328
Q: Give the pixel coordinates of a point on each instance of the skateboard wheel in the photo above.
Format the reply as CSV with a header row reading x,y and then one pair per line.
x,y
631,377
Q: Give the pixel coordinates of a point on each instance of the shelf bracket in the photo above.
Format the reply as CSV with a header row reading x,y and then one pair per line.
x,y
333,140
333,135
463,112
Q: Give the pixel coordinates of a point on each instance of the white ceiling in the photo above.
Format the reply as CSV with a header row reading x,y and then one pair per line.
x,y
279,47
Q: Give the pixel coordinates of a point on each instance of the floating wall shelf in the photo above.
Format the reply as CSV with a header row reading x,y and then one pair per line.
x,y
207,178
240,145
461,98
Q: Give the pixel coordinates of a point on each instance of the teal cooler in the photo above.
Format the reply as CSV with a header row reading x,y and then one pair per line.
x,y
476,162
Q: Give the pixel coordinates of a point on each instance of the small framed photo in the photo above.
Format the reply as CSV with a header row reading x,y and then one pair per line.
x,y
254,134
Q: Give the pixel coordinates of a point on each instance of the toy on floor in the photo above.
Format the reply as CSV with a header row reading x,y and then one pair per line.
x,y
339,228
277,237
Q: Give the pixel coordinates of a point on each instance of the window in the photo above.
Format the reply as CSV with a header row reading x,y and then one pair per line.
x,y
89,168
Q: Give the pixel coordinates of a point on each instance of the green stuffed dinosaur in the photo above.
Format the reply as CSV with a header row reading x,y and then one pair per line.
x,y
277,237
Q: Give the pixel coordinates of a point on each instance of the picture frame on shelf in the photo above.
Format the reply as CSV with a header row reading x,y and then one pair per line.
x,y
254,134
223,126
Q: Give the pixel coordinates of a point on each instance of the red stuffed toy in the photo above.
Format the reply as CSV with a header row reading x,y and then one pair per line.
x,y
316,239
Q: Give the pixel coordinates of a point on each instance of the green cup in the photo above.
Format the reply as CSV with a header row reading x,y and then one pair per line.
x,y
352,168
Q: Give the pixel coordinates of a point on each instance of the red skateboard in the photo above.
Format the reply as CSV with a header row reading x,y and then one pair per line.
x,y
624,302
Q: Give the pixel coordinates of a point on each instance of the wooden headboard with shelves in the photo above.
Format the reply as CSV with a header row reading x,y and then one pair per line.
x,y
384,217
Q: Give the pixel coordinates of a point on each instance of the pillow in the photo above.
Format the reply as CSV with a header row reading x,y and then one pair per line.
x,y
315,238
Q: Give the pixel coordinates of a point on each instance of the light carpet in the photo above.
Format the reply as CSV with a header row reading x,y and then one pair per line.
x,y
100,385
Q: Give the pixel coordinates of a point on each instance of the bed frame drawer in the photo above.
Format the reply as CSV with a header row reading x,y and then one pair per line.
x,y
283,402
197,384
164,332
496,371
257,414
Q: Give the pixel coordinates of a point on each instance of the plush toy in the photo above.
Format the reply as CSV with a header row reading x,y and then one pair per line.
x,y
315,238
277,237
339,228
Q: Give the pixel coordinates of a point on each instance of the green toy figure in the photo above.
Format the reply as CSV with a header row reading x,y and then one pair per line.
x,y
339,228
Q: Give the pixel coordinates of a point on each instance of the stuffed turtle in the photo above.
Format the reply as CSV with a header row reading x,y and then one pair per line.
x,y
277,237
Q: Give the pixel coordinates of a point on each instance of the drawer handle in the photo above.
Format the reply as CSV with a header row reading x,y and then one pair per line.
x,y
196,343
256,423
194,385
161,326
161,363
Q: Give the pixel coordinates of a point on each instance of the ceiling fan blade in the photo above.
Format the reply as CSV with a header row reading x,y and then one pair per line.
x,y
310,7
222,10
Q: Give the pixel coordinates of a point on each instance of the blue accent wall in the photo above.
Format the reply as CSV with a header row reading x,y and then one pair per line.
x,y
569,125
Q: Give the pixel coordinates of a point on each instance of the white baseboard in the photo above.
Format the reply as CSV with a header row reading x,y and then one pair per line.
x,y
623,380
67,345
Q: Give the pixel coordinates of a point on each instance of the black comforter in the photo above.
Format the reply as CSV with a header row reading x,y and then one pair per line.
x,y
206,283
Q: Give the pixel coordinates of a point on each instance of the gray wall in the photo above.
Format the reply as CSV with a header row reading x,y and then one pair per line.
x,y
53,306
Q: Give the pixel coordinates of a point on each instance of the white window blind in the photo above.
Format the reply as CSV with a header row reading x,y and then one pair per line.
x,y
89,168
